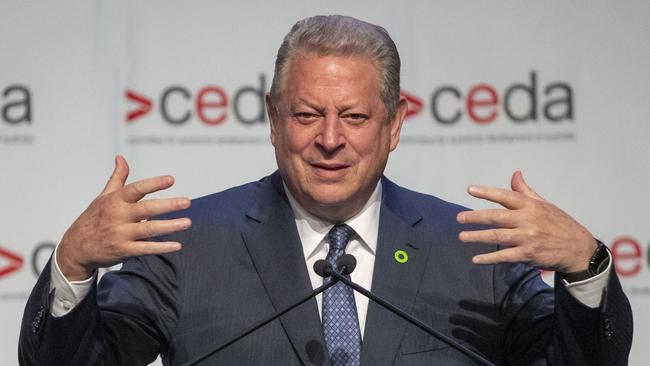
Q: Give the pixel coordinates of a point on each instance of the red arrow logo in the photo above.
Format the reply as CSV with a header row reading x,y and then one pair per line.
x,y
143,105
414,103
15,262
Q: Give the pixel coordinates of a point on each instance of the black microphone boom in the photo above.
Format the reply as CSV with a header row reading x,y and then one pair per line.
x,y
323,270
346,264
404,315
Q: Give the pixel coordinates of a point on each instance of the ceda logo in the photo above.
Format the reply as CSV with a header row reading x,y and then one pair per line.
x,y
210,104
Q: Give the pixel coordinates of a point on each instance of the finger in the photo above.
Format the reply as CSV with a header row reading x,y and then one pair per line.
x,y
138,248
150,229
145,209
518,184
508,255
496,217
504,197
489,236
137,190
119,175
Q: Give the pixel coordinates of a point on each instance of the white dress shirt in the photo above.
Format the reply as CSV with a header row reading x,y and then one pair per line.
x,y
362,245
313,235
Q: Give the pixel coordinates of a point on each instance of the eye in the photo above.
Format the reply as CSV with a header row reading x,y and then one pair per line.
x,y
355,118
305,117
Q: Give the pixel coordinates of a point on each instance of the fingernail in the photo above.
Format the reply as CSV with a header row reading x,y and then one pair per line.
x,y
472,189
184,203
186,223
460,218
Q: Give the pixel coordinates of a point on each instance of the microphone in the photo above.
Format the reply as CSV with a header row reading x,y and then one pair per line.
x,y
347,260
322,268
346,264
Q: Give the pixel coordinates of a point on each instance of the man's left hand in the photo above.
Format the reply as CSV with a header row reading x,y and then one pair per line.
x,y
535,231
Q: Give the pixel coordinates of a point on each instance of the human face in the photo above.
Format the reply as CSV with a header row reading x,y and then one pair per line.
x,y
331,133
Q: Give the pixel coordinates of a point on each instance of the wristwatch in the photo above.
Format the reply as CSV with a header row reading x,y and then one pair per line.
x,y
597,264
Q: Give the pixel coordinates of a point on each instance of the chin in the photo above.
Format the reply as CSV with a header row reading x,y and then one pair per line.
x,y
332,203
330,200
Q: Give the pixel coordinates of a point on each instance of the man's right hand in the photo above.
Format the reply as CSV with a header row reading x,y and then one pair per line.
x,y
110,229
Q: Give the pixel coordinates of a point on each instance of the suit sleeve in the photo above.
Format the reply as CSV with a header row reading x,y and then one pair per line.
x,y
126,320
547,326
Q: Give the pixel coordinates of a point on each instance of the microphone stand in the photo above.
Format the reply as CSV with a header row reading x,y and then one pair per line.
x,y
262,323
395,310
347,264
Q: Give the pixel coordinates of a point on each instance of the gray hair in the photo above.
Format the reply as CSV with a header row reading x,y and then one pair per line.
x,y
339,35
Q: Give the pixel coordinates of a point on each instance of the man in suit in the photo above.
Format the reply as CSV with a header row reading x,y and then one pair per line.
x,y
335,114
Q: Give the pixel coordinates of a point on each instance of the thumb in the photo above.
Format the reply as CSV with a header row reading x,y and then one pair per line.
x,y
119,175
518,184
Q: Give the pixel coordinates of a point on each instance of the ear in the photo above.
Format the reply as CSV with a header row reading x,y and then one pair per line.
x,y
397,121
272,112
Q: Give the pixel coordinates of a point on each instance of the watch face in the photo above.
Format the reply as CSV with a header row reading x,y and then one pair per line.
x,y
599,260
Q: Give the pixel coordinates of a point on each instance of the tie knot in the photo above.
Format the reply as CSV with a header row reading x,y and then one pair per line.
x,y
339,236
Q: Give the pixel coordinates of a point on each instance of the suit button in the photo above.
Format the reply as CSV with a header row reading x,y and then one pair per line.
x,y
607,328
37,319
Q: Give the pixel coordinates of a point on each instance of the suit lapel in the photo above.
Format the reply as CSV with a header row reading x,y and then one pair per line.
x,y
394,281
275,248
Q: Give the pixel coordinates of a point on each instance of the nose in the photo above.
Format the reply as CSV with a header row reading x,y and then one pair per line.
x,y
331,137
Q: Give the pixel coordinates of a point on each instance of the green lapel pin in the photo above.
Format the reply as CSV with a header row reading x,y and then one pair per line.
x,y
401,256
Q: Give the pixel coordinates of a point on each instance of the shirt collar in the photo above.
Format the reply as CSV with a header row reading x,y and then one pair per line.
x,y
312,230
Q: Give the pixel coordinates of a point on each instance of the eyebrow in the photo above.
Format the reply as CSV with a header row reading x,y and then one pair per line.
x,y
344,108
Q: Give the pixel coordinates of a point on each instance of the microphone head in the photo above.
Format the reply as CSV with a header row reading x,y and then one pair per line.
x,y
323,268
346,264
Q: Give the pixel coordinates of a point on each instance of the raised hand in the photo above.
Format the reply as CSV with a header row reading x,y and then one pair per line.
x,y
536,231
110,229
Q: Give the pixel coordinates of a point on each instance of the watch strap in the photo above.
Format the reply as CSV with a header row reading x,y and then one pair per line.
x,y
597,264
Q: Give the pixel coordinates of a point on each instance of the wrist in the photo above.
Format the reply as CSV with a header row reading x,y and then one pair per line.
x,y
71,270
582,257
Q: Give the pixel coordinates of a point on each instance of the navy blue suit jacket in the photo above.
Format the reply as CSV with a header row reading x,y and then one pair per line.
x,y
242,259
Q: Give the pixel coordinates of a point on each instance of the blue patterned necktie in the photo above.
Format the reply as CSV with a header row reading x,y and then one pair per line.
x,y
340,321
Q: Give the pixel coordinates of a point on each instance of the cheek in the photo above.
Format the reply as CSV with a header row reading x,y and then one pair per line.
x,y
372,148
297,140
291,148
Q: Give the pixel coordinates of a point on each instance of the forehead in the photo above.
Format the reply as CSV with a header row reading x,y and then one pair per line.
x,y
344,75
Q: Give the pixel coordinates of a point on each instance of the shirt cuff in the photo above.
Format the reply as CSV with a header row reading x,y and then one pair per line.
x,y
67,294
590,291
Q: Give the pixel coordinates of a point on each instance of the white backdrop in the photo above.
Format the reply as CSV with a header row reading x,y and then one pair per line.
x,y
558,89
